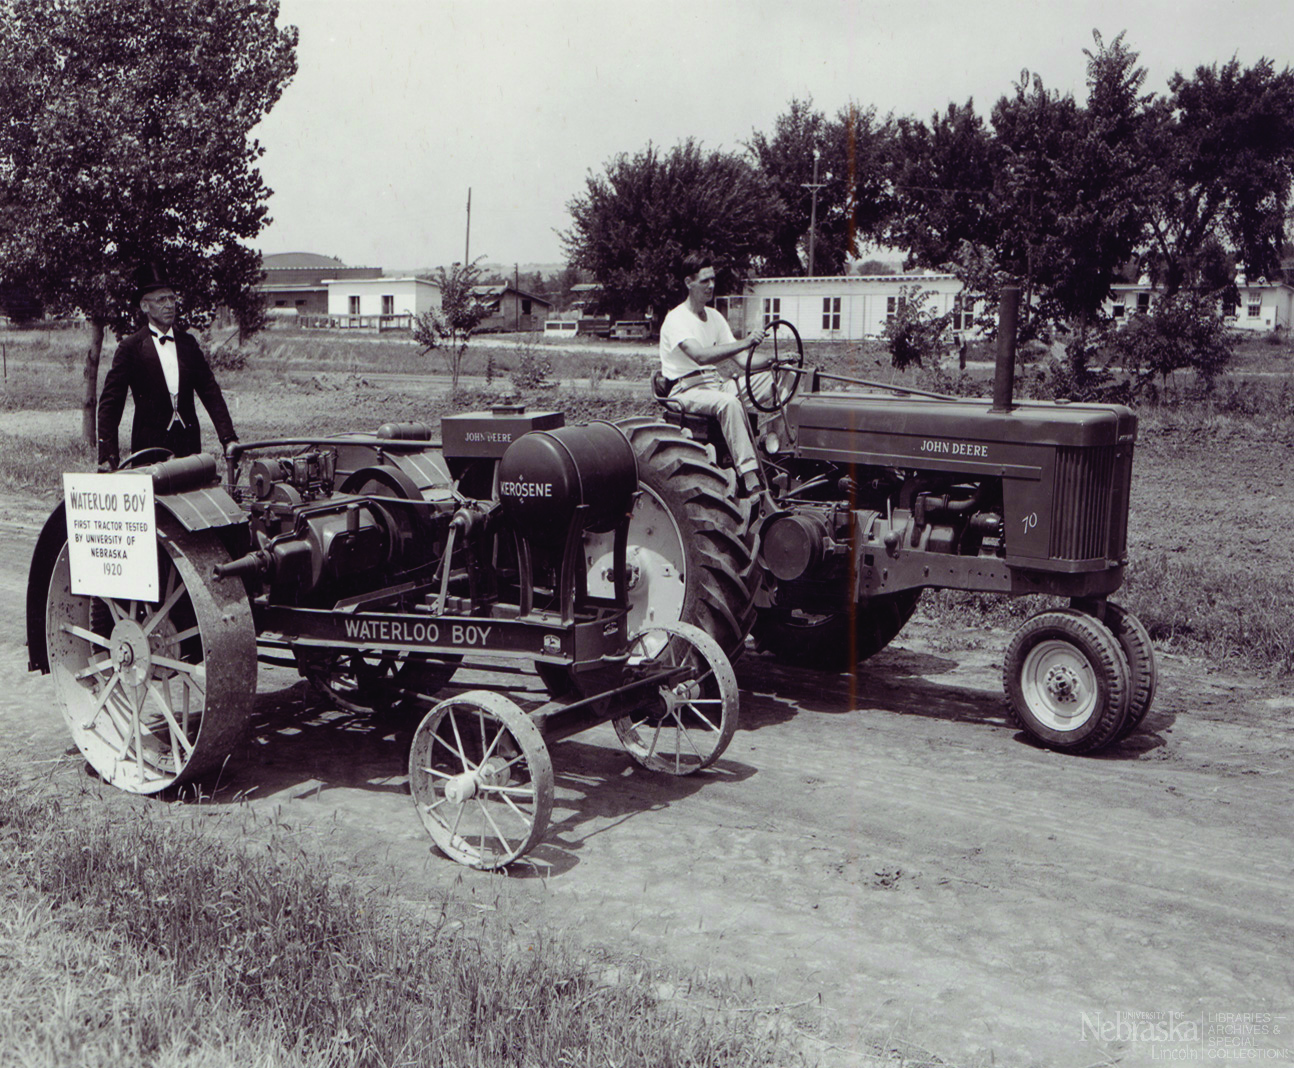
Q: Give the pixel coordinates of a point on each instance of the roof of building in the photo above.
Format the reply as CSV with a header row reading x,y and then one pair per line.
x,y
493,293
280,260
921,276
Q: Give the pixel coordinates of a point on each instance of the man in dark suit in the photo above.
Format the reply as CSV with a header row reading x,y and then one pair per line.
x,y
162,368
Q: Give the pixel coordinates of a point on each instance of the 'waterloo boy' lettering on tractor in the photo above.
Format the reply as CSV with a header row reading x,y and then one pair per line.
x,y
404,632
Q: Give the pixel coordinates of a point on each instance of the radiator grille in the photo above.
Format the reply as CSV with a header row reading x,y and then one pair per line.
x,y
1080,519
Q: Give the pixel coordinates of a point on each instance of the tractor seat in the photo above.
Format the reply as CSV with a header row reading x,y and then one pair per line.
x,y
703,427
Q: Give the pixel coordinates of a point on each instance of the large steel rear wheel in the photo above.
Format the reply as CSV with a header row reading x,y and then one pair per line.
x,y
835,641
690,541
155,694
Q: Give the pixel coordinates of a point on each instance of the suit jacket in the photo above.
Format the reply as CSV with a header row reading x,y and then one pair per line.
x,y
137,370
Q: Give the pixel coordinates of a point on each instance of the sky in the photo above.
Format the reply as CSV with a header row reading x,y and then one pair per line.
x,y
399,107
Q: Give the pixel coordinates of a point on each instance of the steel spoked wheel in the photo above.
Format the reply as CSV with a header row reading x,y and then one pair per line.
x,y
689,718
481,779
1068,681
155,694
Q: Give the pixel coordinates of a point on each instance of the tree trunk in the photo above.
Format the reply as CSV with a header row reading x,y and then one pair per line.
x,y
90,402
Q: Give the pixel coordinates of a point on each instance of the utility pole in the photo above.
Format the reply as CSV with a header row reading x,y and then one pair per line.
x,y
467,244
516,293
815,185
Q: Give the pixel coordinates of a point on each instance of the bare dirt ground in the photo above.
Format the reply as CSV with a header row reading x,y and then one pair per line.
x,y
883,853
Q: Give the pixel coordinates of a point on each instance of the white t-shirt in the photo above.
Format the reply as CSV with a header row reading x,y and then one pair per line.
x,y
681,325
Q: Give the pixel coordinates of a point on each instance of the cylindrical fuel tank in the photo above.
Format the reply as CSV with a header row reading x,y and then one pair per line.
x,y
546,474
182,473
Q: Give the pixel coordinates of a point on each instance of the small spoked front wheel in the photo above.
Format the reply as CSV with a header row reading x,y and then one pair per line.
x,y
481,779
689,718
1068,682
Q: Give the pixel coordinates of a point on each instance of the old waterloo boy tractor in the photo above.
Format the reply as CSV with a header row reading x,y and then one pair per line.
x,y
374,564
877,496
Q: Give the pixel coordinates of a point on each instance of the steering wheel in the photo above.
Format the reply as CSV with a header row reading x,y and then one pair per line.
x,y
786,372
153,455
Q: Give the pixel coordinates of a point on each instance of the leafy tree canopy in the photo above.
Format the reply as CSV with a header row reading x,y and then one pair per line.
x,y
125,139
1224,140
636,221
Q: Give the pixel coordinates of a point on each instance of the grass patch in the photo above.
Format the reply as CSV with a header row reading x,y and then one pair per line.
x,y
37,467
1189,607
133,936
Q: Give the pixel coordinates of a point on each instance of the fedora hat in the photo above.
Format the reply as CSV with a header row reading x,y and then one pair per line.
x,y
148,278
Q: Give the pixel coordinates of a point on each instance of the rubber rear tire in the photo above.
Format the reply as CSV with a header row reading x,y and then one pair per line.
x,y
713,532
835,641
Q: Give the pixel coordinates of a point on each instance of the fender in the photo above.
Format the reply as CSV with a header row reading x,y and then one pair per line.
x,y
185,489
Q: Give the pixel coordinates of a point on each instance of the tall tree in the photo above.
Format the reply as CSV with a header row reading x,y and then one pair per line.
x,y
634,223
786,159
945,174
861,153
1104,186
1225,140
124,139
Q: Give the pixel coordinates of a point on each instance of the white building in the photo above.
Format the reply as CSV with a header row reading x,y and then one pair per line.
x,y
843,308
1263,306
380,302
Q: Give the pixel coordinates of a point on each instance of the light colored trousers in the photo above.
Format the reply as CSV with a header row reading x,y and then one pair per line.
x,y
725,399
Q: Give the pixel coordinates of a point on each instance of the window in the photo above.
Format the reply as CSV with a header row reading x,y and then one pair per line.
x,y
1143,302
772,310
525,307
892,306
1254,309
388,304
280,304
1120,309
831,313
963,312
354,305
1229,307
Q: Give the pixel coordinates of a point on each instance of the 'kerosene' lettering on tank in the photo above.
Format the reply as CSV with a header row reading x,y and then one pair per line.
x,y
526,489
402,632
954,448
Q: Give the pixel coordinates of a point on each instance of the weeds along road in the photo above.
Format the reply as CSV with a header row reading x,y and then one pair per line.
x,y
882,853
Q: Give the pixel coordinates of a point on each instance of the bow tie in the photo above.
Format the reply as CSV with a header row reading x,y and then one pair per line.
x,y
162,339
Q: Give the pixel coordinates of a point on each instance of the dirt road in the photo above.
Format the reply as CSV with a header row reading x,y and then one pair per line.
x,y
883,853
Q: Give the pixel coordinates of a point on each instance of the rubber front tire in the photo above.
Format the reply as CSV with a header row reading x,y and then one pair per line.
x,y
835,641
1143,676
1067,681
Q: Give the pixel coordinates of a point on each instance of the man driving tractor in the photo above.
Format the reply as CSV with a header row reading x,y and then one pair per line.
x,y
695,344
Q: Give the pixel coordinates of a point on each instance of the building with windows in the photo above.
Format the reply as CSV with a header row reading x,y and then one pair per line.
x,y
844,308
511,309
294,282
381,303
1260,305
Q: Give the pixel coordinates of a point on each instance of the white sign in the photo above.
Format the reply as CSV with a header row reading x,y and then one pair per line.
x,y
111,535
